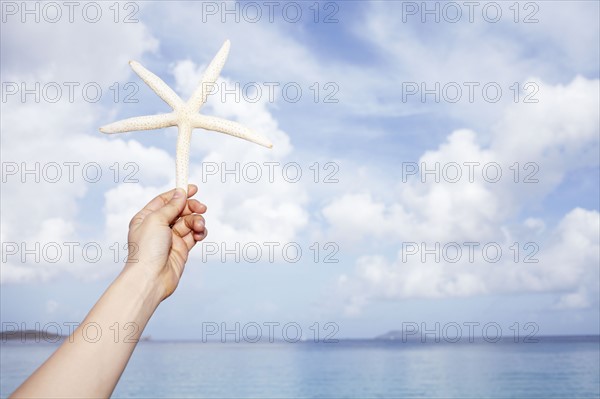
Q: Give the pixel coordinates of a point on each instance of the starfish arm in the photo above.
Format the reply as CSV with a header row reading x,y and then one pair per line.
x,y
228,127
209,78
148,122
182,155
157,85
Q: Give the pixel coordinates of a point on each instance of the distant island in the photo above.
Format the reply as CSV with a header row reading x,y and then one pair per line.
x,y
391,337
39,336
426,336
31,336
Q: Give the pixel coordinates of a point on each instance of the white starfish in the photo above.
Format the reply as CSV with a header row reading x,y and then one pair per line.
x,y
185,115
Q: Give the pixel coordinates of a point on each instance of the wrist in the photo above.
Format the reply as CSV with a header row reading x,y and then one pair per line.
x,y
142,285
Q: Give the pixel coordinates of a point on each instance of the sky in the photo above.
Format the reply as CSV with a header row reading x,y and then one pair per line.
x,y
433,163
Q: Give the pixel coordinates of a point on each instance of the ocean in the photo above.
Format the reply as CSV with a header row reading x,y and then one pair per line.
x,y
560,367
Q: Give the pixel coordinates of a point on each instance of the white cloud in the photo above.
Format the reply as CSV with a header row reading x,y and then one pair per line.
x,y
61,139
576,300
567,261
356,216
12,273
556,134
79,52
505,52
562,129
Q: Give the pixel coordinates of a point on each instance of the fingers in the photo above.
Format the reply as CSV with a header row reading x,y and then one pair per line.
x,y
172,209
160,201
191,229
192,238
193,206
187,224
192,190
164,198
201,236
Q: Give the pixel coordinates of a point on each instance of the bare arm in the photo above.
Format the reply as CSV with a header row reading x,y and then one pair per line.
x,y
91,361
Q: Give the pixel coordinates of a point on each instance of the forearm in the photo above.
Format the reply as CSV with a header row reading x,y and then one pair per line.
x,y
90,362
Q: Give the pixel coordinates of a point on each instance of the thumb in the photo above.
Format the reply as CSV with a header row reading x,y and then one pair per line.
x,y
171,211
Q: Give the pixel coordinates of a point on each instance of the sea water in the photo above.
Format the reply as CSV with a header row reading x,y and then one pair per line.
x,y
567,367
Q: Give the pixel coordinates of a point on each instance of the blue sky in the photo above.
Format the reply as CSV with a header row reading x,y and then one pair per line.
x,y
366,61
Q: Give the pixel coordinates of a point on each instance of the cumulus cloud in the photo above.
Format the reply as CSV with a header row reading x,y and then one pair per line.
x,y
556,136
566,262
53,155
454,191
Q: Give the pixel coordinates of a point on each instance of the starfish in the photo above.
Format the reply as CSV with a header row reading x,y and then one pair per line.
x,y
185,114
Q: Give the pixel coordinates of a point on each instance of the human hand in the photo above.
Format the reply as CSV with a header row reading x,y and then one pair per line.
x,y
161,236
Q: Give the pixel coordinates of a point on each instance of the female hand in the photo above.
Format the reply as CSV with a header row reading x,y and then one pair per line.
x,y
161,236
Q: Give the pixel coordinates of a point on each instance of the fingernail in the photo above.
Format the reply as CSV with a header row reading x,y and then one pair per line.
x,y
178,193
